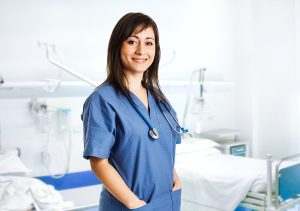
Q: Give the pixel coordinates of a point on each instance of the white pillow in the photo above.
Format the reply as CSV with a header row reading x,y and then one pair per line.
x,y
10,163
193,156
195,145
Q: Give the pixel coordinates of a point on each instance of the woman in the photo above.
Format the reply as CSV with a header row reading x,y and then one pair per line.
x,y
137,171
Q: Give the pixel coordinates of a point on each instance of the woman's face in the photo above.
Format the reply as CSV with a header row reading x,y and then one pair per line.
x,y
138,51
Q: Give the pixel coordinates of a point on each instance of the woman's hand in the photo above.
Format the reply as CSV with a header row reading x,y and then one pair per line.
x,y
176,182
137,204
176,185
114,183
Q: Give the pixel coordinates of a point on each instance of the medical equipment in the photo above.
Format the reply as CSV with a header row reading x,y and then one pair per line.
x,y
153,132
52,49
59,133
199,100
39,111
56,123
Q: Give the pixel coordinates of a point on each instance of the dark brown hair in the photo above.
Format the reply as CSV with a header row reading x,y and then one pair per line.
x,y
126,26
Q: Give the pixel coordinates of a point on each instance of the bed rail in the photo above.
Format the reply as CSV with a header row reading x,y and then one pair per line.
x,y
278,198
269,180
271,200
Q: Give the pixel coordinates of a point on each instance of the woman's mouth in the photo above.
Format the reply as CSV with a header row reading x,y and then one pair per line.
x,y
139,60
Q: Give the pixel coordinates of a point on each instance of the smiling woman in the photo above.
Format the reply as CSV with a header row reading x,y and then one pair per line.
x,y
137,170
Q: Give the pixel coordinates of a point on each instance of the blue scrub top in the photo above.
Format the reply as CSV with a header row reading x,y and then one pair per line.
x,y
114,130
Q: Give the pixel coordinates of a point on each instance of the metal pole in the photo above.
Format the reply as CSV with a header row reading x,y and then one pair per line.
x,y
269,181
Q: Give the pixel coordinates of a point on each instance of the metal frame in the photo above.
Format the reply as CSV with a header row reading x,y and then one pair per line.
x,y
270,201
52,49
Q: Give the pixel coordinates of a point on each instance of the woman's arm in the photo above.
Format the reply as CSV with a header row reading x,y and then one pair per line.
x,y
176,181
114,183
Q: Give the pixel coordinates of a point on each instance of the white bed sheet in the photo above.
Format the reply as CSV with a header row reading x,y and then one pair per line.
x,y
216,181
24,193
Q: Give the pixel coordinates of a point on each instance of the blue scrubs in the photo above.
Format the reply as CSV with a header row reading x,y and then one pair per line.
x,y
114,130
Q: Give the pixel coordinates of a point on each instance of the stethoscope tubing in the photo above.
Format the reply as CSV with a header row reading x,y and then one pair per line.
x,y
171,124
140,113
153,132
183,131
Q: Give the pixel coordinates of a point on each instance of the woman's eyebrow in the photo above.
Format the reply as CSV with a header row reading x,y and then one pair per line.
x,y
150,38
137,37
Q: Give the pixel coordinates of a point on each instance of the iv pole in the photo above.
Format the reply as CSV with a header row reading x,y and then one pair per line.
x,y
187,102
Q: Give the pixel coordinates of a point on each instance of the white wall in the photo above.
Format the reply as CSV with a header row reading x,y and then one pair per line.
x,y
244,63
200,32
275,102
268,78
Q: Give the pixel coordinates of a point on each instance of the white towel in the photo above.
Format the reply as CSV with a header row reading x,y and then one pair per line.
x,y
21,193
13,195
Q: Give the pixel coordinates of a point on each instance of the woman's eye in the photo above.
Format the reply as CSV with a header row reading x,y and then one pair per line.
x,y
131,42
149,43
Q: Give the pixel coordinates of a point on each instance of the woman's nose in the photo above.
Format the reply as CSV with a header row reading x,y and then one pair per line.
x,y
140,50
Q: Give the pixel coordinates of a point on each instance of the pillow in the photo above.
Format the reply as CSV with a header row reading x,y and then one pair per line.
x,y
195,145
193,156
10,163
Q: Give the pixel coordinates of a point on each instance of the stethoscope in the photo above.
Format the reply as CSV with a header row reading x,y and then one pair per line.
x,y
153,132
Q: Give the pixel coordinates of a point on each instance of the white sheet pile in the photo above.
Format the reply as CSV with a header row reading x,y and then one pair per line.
x,y
19,193
26,193
215,181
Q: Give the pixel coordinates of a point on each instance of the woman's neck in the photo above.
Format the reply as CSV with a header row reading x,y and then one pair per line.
x,y
134,82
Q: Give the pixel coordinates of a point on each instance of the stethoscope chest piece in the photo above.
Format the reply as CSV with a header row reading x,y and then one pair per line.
x,y
153,133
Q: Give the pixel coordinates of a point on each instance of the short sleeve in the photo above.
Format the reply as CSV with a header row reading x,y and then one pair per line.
x,y
98,127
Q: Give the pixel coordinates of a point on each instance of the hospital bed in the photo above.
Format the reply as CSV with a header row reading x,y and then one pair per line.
x,y
214,181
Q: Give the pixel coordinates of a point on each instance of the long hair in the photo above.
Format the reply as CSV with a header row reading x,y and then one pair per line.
x,y
126,26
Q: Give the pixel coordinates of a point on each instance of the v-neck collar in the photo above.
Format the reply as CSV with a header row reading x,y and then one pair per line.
x,y
141,105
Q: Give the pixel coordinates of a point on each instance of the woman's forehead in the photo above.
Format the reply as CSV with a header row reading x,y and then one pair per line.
x,y
143,30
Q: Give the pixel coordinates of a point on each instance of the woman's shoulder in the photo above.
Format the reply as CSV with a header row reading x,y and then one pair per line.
x,y
104,92
105,89
100,101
